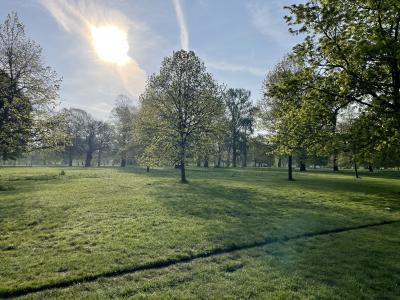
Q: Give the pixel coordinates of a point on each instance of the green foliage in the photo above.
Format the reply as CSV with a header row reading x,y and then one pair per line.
x,y
353,46
15,121
179,109
28,93
240,117
281,108
123,119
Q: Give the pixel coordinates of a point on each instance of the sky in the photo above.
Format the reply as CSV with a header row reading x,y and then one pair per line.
x,y
238,40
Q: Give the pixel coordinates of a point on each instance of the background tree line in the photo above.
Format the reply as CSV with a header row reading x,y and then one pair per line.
x,y
333,101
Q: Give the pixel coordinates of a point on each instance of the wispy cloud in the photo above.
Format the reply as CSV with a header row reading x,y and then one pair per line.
x,y
184,35
224,66
267,21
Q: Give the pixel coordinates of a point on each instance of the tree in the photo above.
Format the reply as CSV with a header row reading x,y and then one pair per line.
x,y
104,140
179,106
28,94
15,121
241,119
280,110
123,119
75,128
91,130
354,44
260,151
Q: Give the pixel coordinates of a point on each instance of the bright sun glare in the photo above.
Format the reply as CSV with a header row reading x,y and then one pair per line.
x,y
111,44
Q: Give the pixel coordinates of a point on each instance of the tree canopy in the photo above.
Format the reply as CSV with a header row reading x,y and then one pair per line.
x,y
179,106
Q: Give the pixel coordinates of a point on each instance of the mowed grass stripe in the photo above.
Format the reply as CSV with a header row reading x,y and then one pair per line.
x,y
170,262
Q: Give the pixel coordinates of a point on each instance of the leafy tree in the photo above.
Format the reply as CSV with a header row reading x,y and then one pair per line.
x,y
240,114
15,121
354,45
123,119
28,93
280,110
179,106
104,140
75,128
91,131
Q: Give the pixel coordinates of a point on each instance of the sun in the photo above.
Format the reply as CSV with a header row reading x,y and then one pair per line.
x,y
111,44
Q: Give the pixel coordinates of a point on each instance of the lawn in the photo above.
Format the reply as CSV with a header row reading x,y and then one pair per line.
x,y
89,222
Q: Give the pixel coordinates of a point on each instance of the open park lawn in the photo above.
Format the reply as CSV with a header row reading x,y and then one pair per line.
x,y
229,233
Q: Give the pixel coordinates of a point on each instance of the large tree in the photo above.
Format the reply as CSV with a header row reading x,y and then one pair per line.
x,y
355,45
179,106
28,93
281,111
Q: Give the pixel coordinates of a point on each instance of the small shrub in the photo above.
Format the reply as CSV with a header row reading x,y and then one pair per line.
x,y
62,173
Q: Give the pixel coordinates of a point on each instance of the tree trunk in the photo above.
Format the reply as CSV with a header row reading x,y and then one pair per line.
x,y
206,162
147,169
335,151
234,154
99,159
70,159
334,163
198,163
290,169
355,169
228,159
123,162
279,162
219,160
88,161
244,162
302,166
370,168
183,172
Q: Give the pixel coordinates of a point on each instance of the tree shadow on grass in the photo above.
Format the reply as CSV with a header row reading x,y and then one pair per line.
x,y
353,265
232,215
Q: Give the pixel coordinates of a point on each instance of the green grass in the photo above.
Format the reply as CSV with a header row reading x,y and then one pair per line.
x,y
55,228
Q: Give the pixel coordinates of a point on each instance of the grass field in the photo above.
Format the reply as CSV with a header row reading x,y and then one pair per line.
x,y
55,229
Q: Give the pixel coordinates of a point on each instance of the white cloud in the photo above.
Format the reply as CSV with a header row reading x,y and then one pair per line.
x,y
224,66
184,35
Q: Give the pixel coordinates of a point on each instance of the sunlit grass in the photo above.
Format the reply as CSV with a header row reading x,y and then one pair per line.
x,y
90,221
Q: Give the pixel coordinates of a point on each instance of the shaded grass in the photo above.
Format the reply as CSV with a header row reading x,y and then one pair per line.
x,y
324,267
92,221
173,261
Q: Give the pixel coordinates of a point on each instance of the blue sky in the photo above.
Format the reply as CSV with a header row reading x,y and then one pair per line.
x,y
239,41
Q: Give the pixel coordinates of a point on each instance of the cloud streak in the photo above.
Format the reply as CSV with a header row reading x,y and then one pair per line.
x,y
184,34
224,66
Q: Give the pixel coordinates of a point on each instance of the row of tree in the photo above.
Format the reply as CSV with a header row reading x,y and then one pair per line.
x,y
335,99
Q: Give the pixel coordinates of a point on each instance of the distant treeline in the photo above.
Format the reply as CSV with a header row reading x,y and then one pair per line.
x,y
333,101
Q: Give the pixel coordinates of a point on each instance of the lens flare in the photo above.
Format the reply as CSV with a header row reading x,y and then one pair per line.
x,y
111,44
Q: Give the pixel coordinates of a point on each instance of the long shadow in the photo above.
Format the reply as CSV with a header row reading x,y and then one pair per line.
x,y
312,180
186,259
